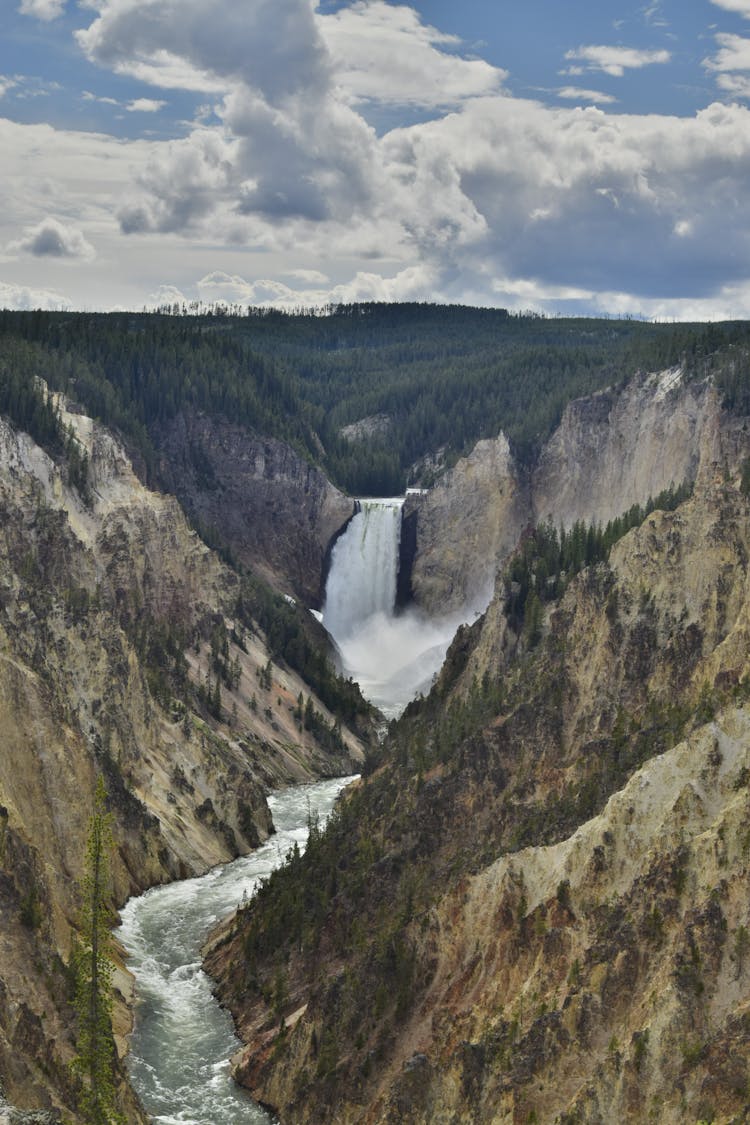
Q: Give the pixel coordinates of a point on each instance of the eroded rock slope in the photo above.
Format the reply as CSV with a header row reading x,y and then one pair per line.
x,y
611,450
121,654
275,511
538,910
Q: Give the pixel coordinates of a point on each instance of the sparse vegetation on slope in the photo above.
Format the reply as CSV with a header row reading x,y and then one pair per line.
x,y
112,613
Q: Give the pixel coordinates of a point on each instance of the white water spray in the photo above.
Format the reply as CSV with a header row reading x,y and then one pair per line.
x,y
392,657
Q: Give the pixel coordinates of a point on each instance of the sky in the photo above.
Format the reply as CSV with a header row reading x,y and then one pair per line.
x,y
567,158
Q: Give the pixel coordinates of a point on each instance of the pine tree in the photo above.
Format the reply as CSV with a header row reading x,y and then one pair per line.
x,y
93,966
533,619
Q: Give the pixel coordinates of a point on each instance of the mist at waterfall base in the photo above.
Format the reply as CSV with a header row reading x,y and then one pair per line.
x,y
182,1042
393,657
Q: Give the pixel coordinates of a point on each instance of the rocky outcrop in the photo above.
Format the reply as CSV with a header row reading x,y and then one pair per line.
x,y
275,511
375,425
596,979
611,450
108,602
463,526
9,1115
616,449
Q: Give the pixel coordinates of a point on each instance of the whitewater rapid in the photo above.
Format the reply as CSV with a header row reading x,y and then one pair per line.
x,y
182,1041
393,656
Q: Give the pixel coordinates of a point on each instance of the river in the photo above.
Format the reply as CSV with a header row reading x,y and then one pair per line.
x,y
182,1042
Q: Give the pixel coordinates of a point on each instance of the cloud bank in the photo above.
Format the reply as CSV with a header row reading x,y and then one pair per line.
x,y
289,178
27,298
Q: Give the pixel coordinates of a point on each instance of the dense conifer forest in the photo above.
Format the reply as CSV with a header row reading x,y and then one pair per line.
x,y
436,378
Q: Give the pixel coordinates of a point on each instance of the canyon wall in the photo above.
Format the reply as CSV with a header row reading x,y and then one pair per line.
x,y
469,521
618,448
610,451
275,511
107,599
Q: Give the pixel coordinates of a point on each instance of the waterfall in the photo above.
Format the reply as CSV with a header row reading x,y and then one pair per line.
x,y
392,658
364,568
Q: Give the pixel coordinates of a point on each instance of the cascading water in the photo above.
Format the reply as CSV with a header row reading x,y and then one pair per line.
x,y
392,657
364,568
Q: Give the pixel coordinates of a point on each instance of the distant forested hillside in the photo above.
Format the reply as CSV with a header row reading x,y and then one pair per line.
x,y
437,377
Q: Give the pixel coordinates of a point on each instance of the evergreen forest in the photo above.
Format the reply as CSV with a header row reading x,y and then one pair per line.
x,y
431,379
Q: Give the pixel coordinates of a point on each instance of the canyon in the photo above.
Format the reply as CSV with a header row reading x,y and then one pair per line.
x,y
536,908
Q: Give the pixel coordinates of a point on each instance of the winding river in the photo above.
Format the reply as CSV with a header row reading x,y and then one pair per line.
x,y
182,1042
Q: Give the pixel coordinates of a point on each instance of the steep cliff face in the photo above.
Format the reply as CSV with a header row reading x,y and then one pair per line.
x,y
107,604
540,912
616,449
610,451
469,521
274,510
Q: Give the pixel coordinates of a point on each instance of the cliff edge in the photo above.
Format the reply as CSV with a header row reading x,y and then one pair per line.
x,y
610,451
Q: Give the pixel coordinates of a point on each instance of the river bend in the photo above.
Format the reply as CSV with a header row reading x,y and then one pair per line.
x,y
182,1041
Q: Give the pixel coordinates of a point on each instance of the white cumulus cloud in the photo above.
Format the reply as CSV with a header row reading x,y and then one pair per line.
x,y
383,52
728,302
552,187
183,180
412,283
616,60
299,150
738,85
145,105
27,297
271,45
42,9
53,239
734,54
740,6
576,94
166,295
88,96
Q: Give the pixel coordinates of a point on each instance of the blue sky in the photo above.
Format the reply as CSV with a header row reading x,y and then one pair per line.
x,y
569,158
